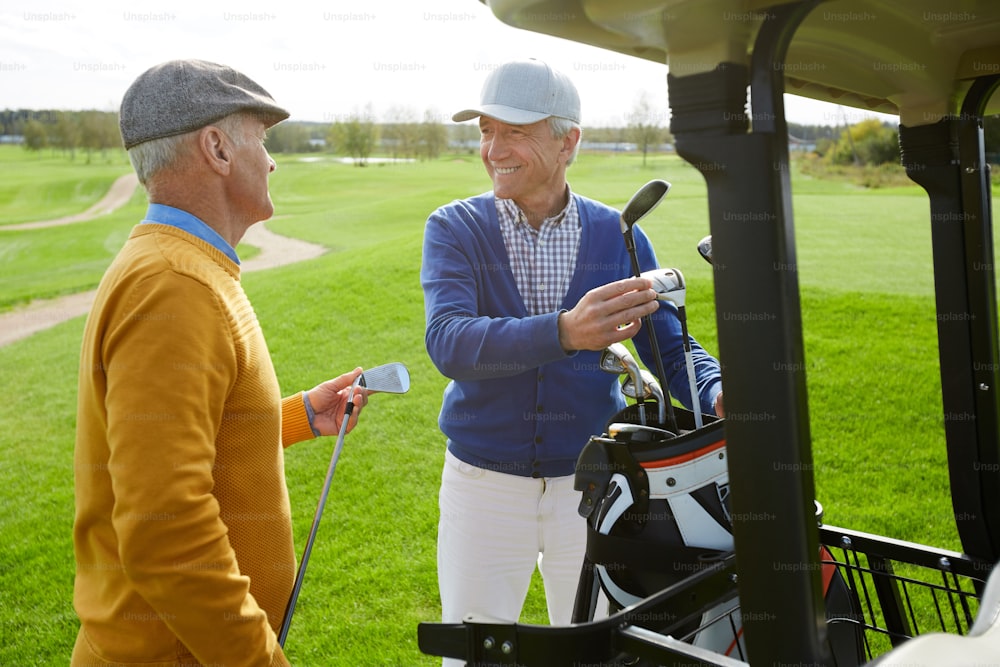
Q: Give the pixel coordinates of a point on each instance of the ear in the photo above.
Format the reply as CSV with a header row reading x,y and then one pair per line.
x,y
570,141
216,149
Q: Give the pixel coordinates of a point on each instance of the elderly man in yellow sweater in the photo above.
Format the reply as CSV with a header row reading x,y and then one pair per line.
x,y
183,536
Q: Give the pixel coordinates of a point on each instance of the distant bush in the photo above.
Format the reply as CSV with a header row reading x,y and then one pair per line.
x,y
869,142
872,176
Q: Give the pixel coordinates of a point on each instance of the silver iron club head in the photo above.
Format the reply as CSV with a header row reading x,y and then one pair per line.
x,y
391,378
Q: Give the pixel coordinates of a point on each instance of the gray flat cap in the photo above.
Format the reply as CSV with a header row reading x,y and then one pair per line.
x,y
184,95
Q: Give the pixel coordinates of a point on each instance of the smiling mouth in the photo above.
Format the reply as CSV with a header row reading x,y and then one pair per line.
x,y
505,170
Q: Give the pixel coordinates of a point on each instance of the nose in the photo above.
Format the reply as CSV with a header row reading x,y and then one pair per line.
x,y
496,148
273,165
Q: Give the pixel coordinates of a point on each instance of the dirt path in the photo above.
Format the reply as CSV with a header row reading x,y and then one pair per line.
x,y
119,194
275,250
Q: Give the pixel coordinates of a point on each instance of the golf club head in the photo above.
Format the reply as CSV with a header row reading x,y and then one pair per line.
x,y
642,202
615,359
644,391
657,391
652,384
668,284
637,433
392,378
705,248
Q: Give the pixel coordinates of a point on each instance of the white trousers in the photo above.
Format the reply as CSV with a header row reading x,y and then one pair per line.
x,y
493,530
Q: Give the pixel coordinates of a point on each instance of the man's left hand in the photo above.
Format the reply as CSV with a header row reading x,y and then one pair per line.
x,y
329,401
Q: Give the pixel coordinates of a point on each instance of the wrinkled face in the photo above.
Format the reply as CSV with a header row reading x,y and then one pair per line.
x,y
251,167
525,162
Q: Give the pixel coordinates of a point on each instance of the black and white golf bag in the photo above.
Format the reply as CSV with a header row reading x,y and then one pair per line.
x,y
657,510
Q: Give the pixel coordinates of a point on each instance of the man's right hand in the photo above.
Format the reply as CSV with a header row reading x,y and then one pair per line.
x,y
607,314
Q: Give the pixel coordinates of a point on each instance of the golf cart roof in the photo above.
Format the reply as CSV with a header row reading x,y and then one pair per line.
x,y
913,58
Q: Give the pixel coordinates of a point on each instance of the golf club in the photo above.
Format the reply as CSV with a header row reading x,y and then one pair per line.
x,y
669,286
636,433
617,359
642,391
705,248
392,378
651,389
642,202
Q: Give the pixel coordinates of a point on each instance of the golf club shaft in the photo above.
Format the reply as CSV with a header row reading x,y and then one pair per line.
x,y
642,202
662,376
300,574
689,362
647,321
630,247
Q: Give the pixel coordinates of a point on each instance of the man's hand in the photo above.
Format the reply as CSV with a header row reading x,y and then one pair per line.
x,y
329,401
607,314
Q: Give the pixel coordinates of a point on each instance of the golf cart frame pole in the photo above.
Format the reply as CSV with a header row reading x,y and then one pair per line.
x,y
947,159
759,322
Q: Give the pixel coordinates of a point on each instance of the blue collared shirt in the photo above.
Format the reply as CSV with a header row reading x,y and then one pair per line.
x,y
175,217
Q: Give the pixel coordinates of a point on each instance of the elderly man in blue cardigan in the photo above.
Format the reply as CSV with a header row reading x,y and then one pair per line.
x,y
524,286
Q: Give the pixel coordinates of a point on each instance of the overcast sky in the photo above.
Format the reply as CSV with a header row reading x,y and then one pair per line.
x,y
322,61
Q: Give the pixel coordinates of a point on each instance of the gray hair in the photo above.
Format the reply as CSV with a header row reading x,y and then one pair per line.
x,y
560,127
151,156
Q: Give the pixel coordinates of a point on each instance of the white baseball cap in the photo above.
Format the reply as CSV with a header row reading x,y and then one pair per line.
x,y
524,92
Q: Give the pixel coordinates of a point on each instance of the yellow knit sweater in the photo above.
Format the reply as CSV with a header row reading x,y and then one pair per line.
x,y
182,535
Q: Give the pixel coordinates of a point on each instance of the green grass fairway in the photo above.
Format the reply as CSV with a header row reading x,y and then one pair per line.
x,y
47,185
864,266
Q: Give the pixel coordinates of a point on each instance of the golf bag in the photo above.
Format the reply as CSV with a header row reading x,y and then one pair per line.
x,y
657,511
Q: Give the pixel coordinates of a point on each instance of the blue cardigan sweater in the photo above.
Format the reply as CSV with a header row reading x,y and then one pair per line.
x,y
517,402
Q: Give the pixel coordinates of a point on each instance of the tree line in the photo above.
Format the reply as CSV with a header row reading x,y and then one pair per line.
x,y
65,131
405,134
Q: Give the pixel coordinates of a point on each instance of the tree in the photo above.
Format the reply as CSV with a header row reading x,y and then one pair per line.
x,y
400,134
360,135
867,142
464,136
433,135
35,137
65,134
644,125
98,131
288,137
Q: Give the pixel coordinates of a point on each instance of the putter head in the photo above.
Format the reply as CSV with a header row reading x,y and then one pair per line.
x,y
392,378
642,202
669,285
705,248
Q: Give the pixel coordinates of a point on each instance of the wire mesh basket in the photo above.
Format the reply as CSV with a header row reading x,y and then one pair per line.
x,y
901,589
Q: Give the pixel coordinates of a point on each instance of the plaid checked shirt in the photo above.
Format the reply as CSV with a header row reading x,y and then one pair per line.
x,y
542,261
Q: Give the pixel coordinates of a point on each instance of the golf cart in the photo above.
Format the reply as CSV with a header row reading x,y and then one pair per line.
x,y
936,64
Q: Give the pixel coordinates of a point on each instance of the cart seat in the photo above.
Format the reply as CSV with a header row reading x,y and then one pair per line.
x,y
980,647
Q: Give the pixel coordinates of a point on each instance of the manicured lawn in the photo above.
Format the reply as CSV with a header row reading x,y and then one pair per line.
x,y
871,356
